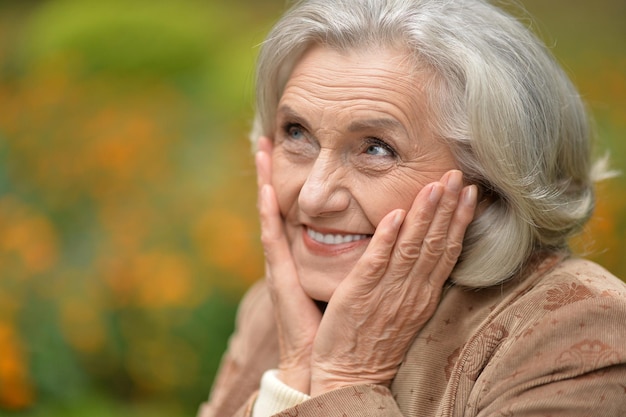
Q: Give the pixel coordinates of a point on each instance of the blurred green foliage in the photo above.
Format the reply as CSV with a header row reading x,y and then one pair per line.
x,y
127,201
128,227
123,37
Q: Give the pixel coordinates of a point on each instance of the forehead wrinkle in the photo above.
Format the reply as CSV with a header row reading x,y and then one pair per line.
x,y
372,83
376,123
365,81
404,88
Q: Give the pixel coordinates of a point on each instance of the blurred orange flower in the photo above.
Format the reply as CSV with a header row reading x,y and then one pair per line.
x,y
28,236
16,390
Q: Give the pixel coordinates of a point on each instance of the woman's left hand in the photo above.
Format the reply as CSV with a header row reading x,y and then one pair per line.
x,y
376,311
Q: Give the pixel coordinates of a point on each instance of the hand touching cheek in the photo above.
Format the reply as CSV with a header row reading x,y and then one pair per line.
x,y
376,312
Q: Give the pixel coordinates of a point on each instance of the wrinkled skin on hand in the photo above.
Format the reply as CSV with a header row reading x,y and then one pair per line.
x,y
377,310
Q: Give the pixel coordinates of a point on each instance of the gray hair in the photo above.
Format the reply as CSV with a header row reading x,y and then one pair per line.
x,y
515,123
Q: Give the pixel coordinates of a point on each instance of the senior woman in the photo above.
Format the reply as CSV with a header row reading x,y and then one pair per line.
x,y
421,167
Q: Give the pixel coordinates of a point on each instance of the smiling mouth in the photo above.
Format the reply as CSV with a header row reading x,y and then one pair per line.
x,y
334,239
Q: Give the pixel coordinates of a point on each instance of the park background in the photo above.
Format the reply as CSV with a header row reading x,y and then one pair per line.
x,y
128,228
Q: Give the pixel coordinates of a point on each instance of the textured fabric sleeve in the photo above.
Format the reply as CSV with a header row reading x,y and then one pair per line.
x,y
569,361
252,349
357,400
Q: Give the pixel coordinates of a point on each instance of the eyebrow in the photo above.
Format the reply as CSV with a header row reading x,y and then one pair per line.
x,y
289,112
355,126
378,123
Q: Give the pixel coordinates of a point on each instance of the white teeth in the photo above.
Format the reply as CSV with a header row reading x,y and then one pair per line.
x,y
333,239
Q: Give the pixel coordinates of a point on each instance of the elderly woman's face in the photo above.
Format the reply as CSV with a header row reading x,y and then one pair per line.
x,y
351,144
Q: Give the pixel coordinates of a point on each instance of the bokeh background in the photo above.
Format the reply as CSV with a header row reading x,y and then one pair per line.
x,y
128,229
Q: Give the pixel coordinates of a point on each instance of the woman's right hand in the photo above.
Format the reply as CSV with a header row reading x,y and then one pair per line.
x,y
296,315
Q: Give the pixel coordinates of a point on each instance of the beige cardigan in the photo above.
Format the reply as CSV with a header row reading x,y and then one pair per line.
x,y
552,343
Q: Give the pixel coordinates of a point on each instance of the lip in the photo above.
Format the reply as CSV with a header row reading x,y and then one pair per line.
x,y
334,249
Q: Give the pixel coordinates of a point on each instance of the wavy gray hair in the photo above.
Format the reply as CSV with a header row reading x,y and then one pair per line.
x,y
514,121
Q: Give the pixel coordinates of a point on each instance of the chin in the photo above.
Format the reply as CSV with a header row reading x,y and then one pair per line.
x,y
319,286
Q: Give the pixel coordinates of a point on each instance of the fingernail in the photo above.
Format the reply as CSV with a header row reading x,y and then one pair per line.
x,y
398,218
264,144
455,180
469,196
435,193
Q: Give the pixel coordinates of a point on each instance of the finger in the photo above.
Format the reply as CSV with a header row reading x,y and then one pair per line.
x,y
277,253
374,261
444,241
408,246
261,162
436,239
265,144
263,159
461,219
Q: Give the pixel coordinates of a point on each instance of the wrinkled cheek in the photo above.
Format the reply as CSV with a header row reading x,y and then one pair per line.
x,y
287,185
386,196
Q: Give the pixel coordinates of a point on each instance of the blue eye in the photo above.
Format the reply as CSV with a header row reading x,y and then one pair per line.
x,y
377,147
295,132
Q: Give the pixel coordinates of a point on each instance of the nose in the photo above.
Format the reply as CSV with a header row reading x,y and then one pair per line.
x,y
324,192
